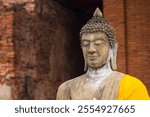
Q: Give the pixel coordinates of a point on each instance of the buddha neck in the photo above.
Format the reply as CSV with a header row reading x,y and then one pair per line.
x,y
100,73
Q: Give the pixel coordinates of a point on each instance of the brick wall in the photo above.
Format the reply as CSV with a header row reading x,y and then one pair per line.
x,y
138,34
11,67
131,20
42,37
33,44
114,11
6,53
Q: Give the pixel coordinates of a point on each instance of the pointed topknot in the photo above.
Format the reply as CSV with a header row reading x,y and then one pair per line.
x,y
98,12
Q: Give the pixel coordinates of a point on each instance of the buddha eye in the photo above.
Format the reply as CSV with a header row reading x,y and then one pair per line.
x,y
85,43
97,42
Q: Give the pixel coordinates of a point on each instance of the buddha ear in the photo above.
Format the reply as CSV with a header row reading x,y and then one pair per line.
x,y
85,66
113,56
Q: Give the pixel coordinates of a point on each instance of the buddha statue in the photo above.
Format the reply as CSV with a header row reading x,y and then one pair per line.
x,y
101,80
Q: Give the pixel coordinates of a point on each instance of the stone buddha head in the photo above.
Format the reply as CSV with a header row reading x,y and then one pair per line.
x,y
98,42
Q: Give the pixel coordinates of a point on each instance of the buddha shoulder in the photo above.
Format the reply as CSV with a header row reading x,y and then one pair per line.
x,y
70,83
63,92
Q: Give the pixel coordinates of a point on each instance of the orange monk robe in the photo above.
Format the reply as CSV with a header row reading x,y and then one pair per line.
x,y
132,89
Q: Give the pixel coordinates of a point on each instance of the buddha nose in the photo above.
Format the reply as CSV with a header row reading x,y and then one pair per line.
x,y
91,48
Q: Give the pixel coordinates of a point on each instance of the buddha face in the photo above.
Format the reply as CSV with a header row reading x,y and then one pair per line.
x,y
95,47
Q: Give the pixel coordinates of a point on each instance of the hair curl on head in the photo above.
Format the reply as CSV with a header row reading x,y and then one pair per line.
x,y
97,23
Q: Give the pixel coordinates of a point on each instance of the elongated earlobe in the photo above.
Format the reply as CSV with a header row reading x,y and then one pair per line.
x,y
113,63
85,66
113,57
